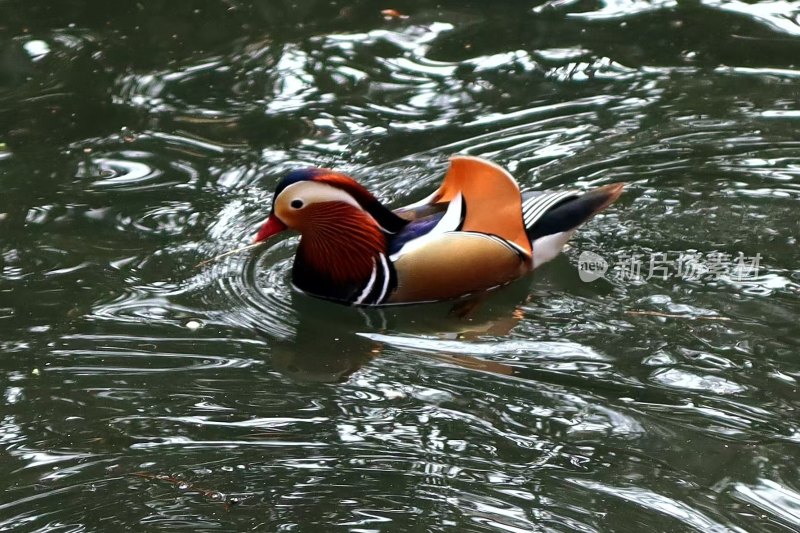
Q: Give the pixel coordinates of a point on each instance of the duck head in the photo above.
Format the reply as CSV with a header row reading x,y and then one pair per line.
x,y
308,198
343,227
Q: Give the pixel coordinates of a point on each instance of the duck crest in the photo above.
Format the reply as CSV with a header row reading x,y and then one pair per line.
x,y
386,219
338,250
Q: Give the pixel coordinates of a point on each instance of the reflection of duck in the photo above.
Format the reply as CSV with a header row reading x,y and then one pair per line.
x,y
321,350
475,233
326,351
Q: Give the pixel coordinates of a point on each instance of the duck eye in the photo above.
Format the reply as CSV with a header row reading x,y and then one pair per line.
x,y
297,204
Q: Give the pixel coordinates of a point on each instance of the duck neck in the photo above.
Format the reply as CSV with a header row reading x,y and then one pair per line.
x,y
339,247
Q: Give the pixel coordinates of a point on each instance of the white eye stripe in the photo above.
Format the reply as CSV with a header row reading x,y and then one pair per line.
x,y
310,192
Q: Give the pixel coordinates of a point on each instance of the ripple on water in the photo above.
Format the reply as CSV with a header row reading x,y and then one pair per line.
x,y
772,497
253,292
142,355
135,171
556,408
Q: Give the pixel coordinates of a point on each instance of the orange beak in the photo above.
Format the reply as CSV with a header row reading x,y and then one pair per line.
x,y
272,226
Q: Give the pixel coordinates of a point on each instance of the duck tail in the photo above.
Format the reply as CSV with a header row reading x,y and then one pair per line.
x,y
570,213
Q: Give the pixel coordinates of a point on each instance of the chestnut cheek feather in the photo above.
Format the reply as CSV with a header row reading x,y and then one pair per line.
x,y
272,226
341,241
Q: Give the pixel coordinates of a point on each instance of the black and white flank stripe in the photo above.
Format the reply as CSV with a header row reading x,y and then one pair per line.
x,y
382,281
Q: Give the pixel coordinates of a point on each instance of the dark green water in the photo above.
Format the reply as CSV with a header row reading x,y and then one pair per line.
x,y
139,138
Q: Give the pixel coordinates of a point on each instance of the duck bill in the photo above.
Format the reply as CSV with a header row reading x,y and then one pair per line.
x,y
271,227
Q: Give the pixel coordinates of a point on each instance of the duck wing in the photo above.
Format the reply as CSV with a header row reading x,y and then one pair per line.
x,y
480,197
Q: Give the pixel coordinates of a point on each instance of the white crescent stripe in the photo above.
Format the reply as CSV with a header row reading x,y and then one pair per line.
x,y
386,276
369,285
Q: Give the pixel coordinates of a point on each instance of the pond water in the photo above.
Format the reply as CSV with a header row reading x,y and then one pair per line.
x,y
140,392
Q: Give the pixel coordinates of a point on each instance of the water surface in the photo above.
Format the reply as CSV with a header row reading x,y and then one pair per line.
x,y
142,392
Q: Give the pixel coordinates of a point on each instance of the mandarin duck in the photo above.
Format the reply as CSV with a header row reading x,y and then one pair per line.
x,y
476,232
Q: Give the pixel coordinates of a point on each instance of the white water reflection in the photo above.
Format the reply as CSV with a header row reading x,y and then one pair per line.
x,y
664,505
771,497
